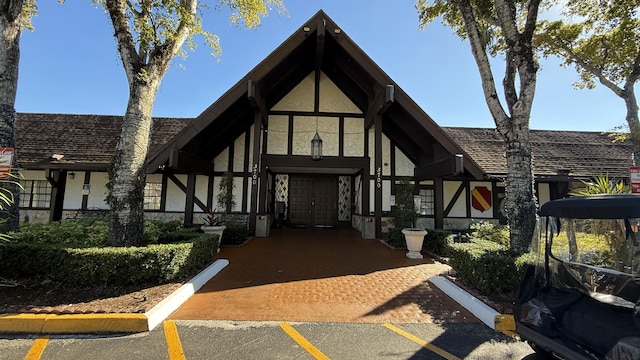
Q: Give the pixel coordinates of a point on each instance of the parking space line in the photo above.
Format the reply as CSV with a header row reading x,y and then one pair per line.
x,y
289,330
174,346
421,342
37,348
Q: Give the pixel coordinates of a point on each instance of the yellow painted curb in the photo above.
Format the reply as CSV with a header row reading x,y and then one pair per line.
x,y
73,323
506,324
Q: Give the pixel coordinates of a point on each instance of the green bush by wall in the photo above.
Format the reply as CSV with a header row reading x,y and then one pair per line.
x,y
156,263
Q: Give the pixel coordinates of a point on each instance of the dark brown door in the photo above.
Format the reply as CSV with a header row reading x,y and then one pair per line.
x,y
312,200
325,198
300,198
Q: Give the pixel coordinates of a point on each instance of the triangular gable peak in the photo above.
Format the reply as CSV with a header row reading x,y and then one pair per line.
x,y
318,72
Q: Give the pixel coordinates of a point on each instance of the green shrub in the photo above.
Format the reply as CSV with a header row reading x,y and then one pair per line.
x,y
487,266
492,232
395,238
74,232
235,234
437,242
108,265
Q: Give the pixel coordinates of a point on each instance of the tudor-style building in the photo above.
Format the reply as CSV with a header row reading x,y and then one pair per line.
x,y
318,82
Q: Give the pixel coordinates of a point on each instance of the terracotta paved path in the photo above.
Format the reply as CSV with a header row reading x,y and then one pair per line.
x,y
323,275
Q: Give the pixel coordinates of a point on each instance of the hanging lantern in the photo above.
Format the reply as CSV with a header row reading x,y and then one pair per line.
x,y
316,147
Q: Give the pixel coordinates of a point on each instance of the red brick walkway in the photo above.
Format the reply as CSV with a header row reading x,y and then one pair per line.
x,y
322,275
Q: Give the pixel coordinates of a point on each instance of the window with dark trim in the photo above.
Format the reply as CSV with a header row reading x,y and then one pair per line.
x,y
152,196
427,202
35,194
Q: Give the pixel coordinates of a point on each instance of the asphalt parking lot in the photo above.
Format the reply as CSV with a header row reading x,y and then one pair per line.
x,y
276,340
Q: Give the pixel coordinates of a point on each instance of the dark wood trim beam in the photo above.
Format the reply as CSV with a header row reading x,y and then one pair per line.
x,y
189,200
384,97
448,166
257,100
320,30
305,161
439,202
184,161
255,169
378,173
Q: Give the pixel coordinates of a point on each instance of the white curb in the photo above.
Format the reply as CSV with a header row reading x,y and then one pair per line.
x,y
164,308
481,310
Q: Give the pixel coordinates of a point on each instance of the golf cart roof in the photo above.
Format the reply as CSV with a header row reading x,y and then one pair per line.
x,y
606,206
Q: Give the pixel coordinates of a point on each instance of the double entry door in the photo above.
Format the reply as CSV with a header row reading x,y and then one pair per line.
x,y
313,200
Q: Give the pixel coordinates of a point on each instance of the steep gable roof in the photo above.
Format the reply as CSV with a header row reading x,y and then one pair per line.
x,y
584,154
87,142
318,45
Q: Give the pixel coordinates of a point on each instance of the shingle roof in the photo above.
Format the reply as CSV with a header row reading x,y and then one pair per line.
x,y
84,140
585,154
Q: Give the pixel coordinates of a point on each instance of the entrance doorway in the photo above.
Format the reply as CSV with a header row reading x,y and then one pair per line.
x,y
313,200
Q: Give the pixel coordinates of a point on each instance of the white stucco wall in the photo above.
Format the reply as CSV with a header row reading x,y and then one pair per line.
x,y
304,129
238,153
544,195
175,197
353,137
221,162
404,166
73,191
277,135
334,100
98,191
301,98
386,195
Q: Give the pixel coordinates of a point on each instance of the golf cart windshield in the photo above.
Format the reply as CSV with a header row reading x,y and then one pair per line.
x,y
593,244
581,301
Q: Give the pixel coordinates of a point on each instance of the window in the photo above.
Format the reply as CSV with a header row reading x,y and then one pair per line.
x,y
35,194
152,196
427,202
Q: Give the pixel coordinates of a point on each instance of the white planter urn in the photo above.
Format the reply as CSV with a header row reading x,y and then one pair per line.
x,y
214,229
414,238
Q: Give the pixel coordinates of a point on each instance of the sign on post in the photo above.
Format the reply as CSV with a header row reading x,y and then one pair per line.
x,y
6,157
634,176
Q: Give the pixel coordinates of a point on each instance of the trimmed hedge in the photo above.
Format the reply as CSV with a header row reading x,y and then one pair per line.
x,y
108,265
488,266
235,234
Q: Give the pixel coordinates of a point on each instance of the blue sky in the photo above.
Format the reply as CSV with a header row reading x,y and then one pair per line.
x,y
69,64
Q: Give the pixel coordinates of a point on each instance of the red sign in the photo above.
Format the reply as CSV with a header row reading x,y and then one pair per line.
x,y
6,156
634,177
481,198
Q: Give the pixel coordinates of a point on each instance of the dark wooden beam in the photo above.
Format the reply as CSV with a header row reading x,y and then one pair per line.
x,y
255,170
181,160
255,94
384,97
448,166
320,30
438,212
191,194
378,172
305,161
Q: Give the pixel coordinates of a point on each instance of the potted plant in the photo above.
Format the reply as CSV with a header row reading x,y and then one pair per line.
x,y
404,216
213,223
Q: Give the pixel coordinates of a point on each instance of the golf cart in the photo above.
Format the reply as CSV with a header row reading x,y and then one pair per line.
x,y
581,298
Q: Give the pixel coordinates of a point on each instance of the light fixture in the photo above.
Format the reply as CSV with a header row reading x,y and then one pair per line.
x,y
72,175
316,145
306,29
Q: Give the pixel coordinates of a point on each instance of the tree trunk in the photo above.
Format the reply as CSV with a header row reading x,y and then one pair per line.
x,y
11,29
520,204
629,97
129,168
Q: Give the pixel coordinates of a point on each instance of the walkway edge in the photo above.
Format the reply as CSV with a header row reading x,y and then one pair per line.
x,y
479,309
109,322
171,303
